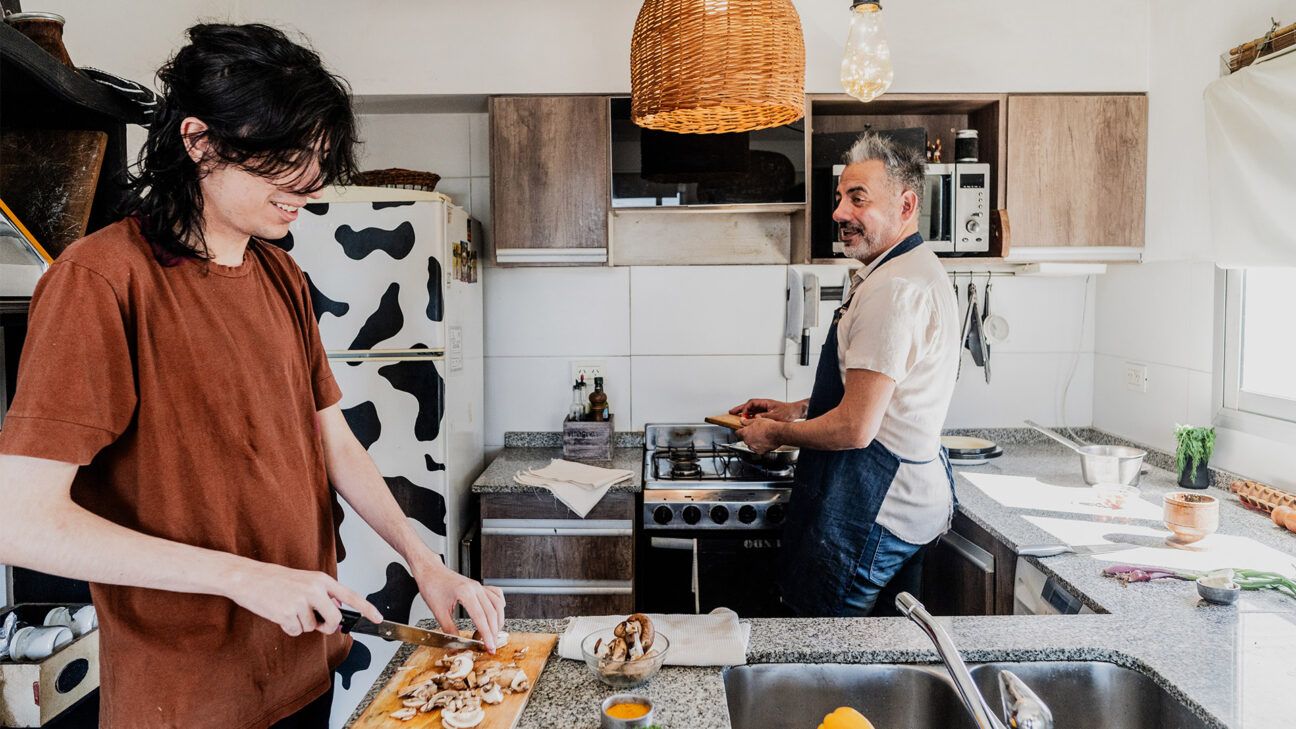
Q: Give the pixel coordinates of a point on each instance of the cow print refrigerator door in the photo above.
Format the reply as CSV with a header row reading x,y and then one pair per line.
x,y
375,270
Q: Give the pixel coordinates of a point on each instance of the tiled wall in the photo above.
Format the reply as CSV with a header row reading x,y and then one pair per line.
x,y
684,342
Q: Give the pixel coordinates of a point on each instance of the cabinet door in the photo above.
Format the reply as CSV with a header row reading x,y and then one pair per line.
x,y
550,179
958,578
1077,170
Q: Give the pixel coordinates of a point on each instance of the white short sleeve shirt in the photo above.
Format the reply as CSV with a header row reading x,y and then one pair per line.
x,y
902,321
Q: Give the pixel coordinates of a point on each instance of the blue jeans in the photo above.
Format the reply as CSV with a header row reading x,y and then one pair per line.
x,y
884,556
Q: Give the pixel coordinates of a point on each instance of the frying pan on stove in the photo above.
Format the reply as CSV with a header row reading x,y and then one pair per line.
x,y
780,458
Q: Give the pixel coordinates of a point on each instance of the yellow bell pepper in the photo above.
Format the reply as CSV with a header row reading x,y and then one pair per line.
x,y
845,718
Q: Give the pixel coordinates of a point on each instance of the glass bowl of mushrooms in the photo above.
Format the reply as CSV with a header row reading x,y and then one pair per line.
x,y
627,655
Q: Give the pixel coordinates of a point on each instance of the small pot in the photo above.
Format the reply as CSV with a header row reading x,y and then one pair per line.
x,y
610,722
1200,481
45,30
1191,517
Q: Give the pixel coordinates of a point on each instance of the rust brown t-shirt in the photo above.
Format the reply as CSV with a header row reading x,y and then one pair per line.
x,y
188,395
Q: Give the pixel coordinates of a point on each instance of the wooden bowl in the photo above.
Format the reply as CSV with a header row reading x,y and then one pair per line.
x,y
1190,516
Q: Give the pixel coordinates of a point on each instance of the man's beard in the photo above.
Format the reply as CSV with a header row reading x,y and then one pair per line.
x,y
866,243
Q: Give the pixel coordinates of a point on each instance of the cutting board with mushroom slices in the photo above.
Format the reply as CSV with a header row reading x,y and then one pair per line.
x,y
528,650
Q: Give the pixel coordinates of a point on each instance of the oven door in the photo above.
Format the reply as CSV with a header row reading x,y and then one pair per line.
x,y
699,571
936,214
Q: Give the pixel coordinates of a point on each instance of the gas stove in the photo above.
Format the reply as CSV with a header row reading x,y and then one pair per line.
x,y
691,482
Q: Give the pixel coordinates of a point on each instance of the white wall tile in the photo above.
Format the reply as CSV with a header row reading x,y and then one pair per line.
x,y
687,389
558,312
1142,312
459,189
430,142
479,145
534,393
1043,314
1022,386
1146,417
1201,398
803,378
707,310
1198,318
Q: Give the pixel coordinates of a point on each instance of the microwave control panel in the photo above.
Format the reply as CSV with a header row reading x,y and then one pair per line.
x,y
971,230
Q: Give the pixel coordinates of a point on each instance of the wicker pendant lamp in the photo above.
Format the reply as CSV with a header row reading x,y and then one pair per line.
x,y
713,66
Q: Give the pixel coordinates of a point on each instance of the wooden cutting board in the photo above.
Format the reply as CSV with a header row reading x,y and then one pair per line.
x,y
729,421
499,716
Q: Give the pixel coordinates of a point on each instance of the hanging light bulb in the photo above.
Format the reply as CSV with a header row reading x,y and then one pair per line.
x,y
866,68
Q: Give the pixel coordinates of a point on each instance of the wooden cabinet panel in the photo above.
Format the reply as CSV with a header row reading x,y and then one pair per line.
x,y
541,505
550,172
562,606
558,557
1077,170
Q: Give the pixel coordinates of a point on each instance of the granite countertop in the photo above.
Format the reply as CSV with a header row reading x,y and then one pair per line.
x,y
498,476
1229,664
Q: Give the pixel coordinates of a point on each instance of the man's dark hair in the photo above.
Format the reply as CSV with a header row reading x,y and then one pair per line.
x,y
268,104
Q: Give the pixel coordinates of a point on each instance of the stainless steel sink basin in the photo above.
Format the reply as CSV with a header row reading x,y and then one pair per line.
x,y
1081,694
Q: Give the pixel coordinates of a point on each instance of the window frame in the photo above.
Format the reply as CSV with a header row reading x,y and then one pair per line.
x,y
1261,415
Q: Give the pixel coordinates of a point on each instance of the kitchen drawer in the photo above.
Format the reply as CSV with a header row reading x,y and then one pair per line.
x,y
562,606
542,505
570,557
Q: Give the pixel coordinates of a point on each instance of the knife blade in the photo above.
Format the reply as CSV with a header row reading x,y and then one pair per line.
x,y
1052,550
354,622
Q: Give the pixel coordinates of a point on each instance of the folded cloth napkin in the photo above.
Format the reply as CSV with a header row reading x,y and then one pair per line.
x,y
715,639
578,485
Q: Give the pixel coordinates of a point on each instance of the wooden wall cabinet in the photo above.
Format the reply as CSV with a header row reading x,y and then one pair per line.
x,y
550,179
551,563
1077,170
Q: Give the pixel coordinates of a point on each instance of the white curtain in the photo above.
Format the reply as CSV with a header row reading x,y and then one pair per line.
x,y
1251,164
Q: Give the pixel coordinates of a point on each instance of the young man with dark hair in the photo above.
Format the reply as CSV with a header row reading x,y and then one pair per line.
x,y
176,426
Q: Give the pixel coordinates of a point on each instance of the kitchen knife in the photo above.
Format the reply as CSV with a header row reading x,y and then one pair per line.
x,y
354,622
1052,550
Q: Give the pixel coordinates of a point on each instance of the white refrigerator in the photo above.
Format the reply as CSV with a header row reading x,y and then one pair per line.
x,y
395,288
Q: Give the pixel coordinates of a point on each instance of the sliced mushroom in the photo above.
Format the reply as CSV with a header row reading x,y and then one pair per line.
x,y
461,665
442,698
462,719
617,650
412,703
492,693
404,714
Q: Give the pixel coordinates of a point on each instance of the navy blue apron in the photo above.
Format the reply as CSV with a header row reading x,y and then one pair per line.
x,y
836,497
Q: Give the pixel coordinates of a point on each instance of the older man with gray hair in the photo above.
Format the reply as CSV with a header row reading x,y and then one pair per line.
x,y
873,485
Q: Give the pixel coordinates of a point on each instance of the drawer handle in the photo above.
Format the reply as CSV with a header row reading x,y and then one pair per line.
x,y
969,551
562,587
557,527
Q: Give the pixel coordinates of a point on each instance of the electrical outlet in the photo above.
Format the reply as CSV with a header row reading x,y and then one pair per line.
x,y
590,369
1136,377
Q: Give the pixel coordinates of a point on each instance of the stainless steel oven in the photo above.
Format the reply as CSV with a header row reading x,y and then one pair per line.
x,y
954,217
709,525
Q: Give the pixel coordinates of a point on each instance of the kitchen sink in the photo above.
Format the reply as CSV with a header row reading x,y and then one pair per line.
x,y
1081,695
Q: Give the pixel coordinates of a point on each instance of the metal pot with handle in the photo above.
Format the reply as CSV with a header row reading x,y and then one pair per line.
x,y
779,459
1102,463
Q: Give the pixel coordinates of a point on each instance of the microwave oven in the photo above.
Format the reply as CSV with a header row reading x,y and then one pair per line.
x,y
954,217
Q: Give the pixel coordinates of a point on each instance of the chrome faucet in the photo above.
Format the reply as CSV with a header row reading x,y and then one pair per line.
x,y
1022,708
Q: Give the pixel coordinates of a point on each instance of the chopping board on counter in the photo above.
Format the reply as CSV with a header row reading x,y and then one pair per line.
x,y
504,715
729,421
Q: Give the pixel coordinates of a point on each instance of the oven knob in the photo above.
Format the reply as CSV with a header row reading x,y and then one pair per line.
x,y
747,514
774,514
719,514
692,514
973,226
663,514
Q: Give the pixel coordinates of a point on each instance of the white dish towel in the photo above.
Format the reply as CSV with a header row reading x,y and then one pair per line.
x,y
578,485
715,639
